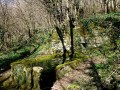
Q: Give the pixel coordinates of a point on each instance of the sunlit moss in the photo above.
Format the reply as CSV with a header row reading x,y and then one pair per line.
x,y
41,60
73,63
73,87
55,36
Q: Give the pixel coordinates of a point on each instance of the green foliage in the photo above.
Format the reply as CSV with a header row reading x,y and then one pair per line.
x,y
25,49
102,66
101,27
7,58
73,87
109,75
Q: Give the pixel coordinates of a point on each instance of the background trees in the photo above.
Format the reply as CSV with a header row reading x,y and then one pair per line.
x,y
22,20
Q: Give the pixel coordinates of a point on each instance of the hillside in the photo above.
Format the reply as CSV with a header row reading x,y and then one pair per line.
x,y
60,45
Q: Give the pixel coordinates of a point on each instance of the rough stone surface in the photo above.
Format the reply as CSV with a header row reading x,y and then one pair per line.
x,y
36,77
26,78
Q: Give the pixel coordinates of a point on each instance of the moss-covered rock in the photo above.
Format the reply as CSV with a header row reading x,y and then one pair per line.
x,y
24,78
26,74
36,77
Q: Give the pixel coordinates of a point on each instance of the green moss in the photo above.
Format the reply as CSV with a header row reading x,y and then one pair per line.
x,y
46,61
81,56
23,78
6,84
55,36
78,58
45,57
73,87
72,64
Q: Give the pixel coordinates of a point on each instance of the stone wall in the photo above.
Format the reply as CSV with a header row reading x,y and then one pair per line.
x,y
26,78
26,74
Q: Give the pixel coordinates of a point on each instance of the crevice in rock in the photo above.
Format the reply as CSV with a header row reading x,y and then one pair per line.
x,y
47,79
32,79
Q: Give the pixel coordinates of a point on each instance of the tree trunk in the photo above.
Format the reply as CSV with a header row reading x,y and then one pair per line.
x,y
114,4
108,10
71,21
62,41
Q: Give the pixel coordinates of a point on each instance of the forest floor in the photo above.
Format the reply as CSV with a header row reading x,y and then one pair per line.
x,y
86,76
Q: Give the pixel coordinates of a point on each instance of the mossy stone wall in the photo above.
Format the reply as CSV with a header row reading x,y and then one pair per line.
x,y
26,74
26,78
